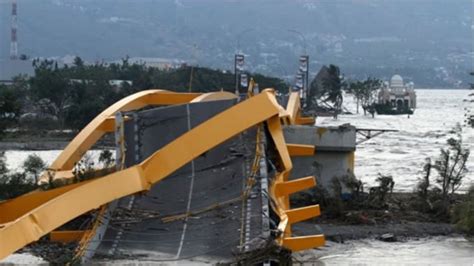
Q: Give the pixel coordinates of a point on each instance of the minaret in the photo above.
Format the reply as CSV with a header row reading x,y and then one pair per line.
x,y
13,43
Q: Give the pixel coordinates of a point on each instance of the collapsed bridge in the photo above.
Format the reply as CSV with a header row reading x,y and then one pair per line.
x,y
196,175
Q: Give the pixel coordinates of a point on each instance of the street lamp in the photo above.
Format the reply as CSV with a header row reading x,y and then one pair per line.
x,y
239,61
303,66
192,67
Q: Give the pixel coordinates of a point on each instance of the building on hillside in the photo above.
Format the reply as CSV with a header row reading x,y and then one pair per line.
x,y
396,97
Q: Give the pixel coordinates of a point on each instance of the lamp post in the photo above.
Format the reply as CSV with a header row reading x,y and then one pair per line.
x,y
192,68
238,69
303,65
239,60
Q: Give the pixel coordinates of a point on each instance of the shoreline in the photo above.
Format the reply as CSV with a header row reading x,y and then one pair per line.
x,y
30,143
35,145
401,230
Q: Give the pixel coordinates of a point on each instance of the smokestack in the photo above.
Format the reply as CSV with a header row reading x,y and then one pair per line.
x,y
14,43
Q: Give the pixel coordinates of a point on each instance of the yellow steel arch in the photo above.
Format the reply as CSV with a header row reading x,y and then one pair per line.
x,y
280,190
61,168
13,208
293,109
214,96
64,204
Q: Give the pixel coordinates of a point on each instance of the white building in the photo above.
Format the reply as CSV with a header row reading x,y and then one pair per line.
x,y
398,94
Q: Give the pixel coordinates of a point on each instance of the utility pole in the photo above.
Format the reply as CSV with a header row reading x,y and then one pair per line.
x,y
14,41
238,69
303,68
192,69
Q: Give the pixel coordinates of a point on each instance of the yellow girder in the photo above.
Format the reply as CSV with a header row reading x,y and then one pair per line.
x,y
105,122
300,149
281,201
98,126
31,216
289,187
293,110
214,96
12,209
83,197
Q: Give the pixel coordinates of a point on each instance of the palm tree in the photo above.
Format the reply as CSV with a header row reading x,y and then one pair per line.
x,y
332,91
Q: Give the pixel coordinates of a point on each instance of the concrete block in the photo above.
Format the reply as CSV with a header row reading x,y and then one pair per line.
x,y
340,138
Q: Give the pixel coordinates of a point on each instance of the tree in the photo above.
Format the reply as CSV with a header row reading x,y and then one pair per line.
x,y
10,107
73,95
357,89
332,87
378,194
370,88
464,213
472,84
13,184
50,88
106,159
451,165
424,184
469,115
33,166
365,92
78,62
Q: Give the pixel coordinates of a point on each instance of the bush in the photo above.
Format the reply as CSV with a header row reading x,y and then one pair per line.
x,y
33,166
424,183
451,165
378,194
106,159
464,214
15,184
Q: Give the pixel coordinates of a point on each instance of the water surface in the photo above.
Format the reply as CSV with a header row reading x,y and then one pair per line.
x,y
402,154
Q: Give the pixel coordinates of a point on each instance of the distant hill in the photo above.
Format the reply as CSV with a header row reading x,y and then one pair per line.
x,y
426,41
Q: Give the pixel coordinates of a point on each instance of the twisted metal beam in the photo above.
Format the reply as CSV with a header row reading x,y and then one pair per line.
x,y
55,208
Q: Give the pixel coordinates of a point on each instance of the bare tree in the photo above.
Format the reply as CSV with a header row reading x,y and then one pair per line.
x,y
424,183
451,165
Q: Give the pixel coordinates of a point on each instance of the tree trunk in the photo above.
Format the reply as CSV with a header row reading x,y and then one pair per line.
x,y
357,102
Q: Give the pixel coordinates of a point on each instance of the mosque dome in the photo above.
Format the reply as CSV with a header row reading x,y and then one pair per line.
x,y
396,81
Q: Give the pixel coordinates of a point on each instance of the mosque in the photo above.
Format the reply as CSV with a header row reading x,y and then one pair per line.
x,y
396,97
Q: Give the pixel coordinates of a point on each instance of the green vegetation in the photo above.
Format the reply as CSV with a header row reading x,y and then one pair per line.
x,y
378,194
435,199
13,184
472,84
10,106
365,93
18,183
464,214
439,197
71,96
325,90
33,166
451,165
332,87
